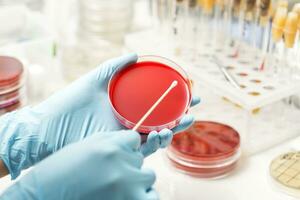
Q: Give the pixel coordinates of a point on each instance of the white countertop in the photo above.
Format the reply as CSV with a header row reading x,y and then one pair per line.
x,y
249,181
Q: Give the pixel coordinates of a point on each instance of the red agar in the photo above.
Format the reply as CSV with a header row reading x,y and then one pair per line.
x,y
207,149
10,71
136,88
207,140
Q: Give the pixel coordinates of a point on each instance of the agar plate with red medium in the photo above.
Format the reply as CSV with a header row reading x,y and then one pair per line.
x,y
12,89
206,150
135,88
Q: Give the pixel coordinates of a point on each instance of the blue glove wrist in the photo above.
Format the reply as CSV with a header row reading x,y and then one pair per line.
x,y
21,146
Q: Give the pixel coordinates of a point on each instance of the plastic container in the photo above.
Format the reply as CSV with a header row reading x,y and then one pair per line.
x,y
12,89
206,150
134,89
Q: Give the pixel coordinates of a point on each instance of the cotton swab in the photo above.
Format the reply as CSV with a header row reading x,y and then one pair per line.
x,y
174,84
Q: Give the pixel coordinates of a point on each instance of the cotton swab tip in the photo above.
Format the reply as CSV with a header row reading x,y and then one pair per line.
x,y
174,83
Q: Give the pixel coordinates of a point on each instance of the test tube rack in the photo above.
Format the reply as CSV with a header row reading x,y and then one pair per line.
x,y
259,110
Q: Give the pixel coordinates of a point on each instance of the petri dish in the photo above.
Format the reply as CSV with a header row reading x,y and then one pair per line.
x,y
134,89
285,173
11,107
12,89
12,97
11,71
206,150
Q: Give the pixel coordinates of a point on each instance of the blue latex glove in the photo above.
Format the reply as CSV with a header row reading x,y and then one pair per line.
x,y
103,166
79,110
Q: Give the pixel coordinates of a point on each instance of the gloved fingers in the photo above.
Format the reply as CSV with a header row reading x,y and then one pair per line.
x,y
151,145
152,195
184,123
195,100
128,139
148,177
156,140
166,136
106,70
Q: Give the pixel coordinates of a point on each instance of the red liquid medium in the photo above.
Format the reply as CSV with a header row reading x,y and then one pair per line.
x,y
136,88
207,149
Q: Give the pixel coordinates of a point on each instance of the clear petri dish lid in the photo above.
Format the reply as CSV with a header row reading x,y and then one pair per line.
x,y
207,144
135,88
11,71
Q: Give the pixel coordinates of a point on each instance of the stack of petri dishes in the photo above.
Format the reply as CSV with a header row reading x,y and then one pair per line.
x,y
101,26
104,20
206,150
12,87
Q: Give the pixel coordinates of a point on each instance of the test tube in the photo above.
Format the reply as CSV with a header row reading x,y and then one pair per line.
x,y
179,15
246,18
264,16
290,29
290,32
161,13
207,18
276,37
208,6
218,23
234,17
228,21
191,29
296,9
252,21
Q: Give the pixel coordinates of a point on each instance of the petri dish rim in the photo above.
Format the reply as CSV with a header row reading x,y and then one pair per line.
x,y
172,124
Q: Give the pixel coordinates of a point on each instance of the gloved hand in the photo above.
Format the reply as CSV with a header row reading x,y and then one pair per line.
x,y
81,109
103,166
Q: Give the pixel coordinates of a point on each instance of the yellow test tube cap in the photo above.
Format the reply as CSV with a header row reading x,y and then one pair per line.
x,y
296,9
220,3
208,6
290,29
278,23
200,2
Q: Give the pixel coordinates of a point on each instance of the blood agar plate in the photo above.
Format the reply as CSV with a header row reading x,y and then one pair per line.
x,y
12,89
206,150
11,70
134,89
285,173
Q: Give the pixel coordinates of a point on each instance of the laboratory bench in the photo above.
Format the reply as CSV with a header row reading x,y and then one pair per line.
x,y
251,180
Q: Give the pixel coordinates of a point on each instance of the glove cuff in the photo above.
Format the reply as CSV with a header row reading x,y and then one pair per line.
x,y
20,144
